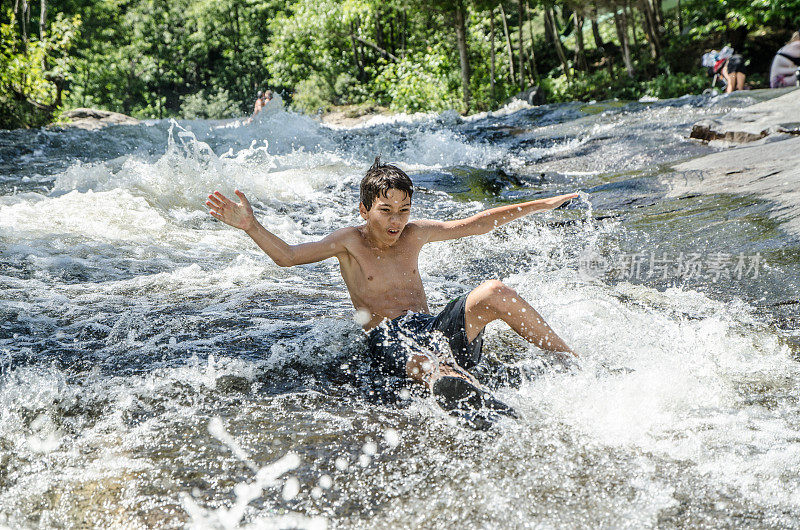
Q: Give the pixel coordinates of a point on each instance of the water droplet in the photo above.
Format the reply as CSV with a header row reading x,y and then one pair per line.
x,y
290,489
392,437
370,448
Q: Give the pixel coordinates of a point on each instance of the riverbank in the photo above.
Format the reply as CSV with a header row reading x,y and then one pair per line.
x,y
354,115
92,119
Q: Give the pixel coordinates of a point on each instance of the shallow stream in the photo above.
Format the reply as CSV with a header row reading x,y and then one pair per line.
x,y
154,362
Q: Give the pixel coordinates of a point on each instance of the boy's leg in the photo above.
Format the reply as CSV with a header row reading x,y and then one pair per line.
x,y
493,300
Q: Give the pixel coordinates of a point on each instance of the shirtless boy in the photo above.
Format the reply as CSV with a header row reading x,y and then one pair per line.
x,y
378,262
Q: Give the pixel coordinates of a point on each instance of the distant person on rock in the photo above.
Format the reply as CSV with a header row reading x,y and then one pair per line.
x,y
258,105
728,66
785,65
734,73
262,98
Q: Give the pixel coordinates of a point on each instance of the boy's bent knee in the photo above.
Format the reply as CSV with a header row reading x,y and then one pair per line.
x,y
492,286
494,293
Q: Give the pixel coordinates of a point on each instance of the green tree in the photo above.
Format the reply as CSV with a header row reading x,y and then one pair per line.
x,y
34,70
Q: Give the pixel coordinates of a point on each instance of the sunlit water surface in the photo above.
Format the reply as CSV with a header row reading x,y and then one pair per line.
x,y
156,369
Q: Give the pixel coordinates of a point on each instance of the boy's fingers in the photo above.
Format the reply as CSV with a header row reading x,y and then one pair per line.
x,y
215,208
213,201
215,214
226,201
241,196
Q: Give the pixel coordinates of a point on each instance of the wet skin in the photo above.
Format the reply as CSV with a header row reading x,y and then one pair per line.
x,y
378,262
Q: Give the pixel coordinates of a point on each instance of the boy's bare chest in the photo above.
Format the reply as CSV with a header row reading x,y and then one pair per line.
x,y
384,269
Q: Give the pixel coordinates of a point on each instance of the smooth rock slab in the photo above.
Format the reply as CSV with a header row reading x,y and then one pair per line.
x,y
768,170
778,115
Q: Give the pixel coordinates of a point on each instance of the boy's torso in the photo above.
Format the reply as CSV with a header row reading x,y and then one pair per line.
x,y
385,282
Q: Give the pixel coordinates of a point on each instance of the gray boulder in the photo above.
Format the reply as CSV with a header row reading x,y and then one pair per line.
x,y
93,119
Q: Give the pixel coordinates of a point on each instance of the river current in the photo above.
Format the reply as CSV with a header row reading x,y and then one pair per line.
x,y
158,370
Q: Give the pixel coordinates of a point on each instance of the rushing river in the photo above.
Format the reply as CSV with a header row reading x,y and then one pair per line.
x,y
158,370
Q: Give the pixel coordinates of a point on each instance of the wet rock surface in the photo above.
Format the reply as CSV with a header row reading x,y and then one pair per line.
x,y
769,168
775,116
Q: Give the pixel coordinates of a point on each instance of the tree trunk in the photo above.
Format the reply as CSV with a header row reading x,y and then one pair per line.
x,y
602,46
377,48
238,34
22,11
532,56
550,19
631,23
622,35
680,19
580,51
491,51
651,28
403,34
549,37
509,49
598,40
42,20
379,30
390,46
520,51
659,9
356,56
461,38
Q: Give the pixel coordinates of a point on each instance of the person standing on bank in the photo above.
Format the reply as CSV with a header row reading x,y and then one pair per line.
x,y
734,73
786,64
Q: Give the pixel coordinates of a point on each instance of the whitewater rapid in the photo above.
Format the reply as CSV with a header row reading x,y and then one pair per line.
x,y
158,370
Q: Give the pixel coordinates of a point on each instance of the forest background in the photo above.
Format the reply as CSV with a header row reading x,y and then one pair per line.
x,y
208,58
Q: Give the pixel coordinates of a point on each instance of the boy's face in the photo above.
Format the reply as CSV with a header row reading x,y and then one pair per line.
x,y
388,215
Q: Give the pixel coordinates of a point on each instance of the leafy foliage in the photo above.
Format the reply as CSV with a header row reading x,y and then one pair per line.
x,y
420,81
207,58
209,106
31,72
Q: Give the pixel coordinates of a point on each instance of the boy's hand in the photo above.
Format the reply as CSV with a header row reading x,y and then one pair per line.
x,y
237,214
558,200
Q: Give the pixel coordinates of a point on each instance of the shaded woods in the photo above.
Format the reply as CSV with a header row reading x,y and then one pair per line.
x,y
206,59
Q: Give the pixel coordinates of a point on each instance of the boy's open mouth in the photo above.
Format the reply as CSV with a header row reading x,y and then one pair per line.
x,y
394,231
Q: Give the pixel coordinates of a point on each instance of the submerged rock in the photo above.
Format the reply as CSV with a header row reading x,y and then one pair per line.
x,y
778,115
228,384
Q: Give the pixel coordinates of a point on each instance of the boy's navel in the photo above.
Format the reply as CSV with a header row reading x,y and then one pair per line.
x,y
369,278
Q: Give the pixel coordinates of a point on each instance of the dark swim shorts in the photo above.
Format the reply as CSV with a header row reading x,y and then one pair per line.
x,y
393,341
736,64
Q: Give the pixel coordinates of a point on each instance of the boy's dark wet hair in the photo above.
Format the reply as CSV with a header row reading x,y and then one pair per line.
x,y
380,178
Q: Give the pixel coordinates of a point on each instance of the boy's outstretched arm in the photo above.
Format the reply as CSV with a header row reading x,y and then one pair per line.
x,y
240,215
487,220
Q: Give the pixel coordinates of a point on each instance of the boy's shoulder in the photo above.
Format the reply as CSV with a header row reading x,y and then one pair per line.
x,y
347,235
